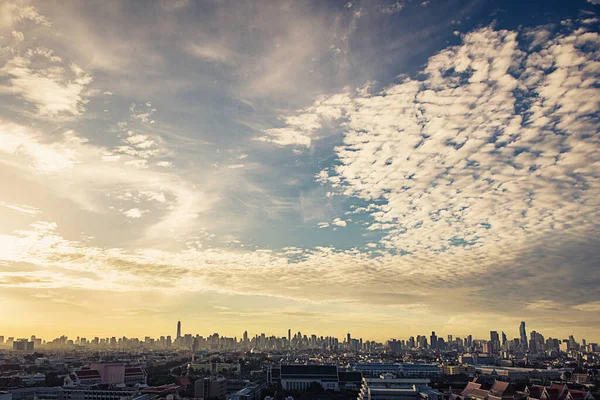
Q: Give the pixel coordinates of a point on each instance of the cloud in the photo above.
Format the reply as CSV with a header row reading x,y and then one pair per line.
x,y
75,169
144,115
339,222
32,211
54,90
13,13
212,52
133,213
544,305
301,129
593,306
393,8
455,165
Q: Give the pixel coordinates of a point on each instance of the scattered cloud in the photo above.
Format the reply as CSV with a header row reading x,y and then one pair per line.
x,y
453,162
134,213
24,209
393,8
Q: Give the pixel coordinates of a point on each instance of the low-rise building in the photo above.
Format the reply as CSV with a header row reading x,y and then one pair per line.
x,y
251,392
301,377
389,388
414,370
83,377
458,370
515,374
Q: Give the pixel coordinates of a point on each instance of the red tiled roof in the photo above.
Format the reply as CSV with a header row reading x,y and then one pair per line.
x,y
133,371
470,387
87,373
479,393
185,382
499,387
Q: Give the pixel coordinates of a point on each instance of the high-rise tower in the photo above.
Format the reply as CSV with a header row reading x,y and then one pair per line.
x,y
178,329
523,334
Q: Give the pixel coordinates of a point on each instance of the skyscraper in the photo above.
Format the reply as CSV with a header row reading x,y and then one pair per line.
x,y
495,340
178,329
523,333
433,340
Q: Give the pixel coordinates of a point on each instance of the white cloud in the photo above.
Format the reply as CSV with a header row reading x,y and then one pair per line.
x,y
339,222
393,8
32,211
51,90
12,13
544,305
134,213
212,52
453,162
593,306
18,36
303,127
143,115
72,168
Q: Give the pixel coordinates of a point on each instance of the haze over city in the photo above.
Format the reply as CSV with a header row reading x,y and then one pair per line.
x,y
385,168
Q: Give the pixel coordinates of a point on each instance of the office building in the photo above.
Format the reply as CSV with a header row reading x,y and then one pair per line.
x,y
213,387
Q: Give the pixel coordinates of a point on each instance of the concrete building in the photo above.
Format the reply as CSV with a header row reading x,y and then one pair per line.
x,y
458,370
515,374
84,377
213,387
251,392
110,372
300,377
101,392
397,369
216,368
389,388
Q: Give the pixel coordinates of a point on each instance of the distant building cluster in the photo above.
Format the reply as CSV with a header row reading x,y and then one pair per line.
x,y
529,367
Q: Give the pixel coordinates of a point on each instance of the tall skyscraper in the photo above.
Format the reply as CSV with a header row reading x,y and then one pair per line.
x,y
433,340
289,335
503,338
523,333
178,329
495,340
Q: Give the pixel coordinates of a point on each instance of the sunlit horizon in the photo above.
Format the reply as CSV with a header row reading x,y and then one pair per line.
x,y
385,168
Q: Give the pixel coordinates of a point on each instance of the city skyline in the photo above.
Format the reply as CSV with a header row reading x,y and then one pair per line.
x,y
382,167
287,334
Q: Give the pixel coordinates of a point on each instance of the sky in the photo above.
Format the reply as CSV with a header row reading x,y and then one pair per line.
x,y
386,168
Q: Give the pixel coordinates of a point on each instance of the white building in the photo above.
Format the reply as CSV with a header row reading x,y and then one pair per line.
x,y
388,388
301,377
398,369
